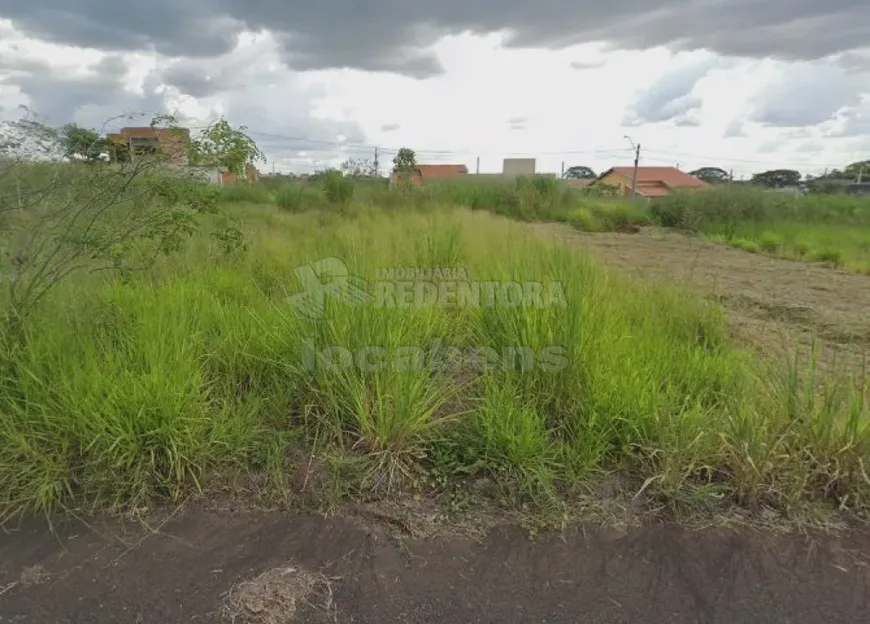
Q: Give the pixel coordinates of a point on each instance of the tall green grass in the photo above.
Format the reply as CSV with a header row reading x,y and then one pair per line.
x,y
824,228
524,198
127,392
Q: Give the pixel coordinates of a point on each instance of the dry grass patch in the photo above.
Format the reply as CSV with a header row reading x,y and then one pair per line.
x,y
275,596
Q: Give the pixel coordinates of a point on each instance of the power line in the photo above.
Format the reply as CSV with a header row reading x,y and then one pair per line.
x,y
439,154
738,160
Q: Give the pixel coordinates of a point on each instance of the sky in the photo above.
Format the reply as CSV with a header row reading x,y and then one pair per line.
x,y
745,85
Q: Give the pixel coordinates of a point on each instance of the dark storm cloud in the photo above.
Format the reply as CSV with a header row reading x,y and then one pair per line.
x,y
386,35
95,99
246,92
188,28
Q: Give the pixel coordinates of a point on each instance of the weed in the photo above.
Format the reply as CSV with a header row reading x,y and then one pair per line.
x,y
337,188
746,245
834,256
124,392
770,242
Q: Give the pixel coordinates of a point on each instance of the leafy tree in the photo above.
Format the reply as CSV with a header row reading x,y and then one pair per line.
x,y
405,161
359,168
221,145
712,175
579,172
75,219
859,169
82,143
777,178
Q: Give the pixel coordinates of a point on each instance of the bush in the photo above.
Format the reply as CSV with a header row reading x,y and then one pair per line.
x,y
337,188
745,245
677,211
834,256
298,197
770,241
246,193
289,198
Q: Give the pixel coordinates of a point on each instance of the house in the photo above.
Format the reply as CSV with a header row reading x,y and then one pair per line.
x,y
577,183
130,144
651,181
428,173
228,177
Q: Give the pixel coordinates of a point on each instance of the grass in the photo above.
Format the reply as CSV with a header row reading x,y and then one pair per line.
x,y
831,229
124,392
524,199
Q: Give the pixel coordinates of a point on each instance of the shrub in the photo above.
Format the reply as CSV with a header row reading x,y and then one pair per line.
x,y
297,198
289,198
582,219
337,188
829,255
801,249
745,245
678,210
246,193
770,241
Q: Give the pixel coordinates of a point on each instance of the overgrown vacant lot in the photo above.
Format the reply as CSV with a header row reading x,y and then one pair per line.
x,y
145,388
831,229
773,305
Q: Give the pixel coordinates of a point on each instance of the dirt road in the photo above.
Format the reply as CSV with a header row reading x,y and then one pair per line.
x,y
185,573
772,303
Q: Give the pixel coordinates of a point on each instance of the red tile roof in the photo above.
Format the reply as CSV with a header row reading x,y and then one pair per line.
x,y
670,177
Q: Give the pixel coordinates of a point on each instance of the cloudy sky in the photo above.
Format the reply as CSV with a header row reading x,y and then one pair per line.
x,y
742,84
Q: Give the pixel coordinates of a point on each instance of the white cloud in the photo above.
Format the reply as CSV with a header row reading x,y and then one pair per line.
x,y
490,101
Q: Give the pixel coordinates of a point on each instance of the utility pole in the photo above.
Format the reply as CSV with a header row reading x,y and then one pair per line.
x,y
636,163
377,165
477,171
563,169
731,177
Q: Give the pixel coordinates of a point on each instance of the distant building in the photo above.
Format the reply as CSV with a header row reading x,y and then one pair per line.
x,y
429,173
518,167
131,144
228,177
651,181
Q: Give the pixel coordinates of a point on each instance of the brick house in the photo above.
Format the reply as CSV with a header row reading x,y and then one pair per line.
x,y
427,173
651,181
133,143
251,175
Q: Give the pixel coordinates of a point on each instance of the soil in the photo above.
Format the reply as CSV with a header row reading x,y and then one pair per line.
x,y
193,567
773,304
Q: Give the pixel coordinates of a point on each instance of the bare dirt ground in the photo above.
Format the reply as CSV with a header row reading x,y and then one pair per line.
x,y
773,304
210,567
